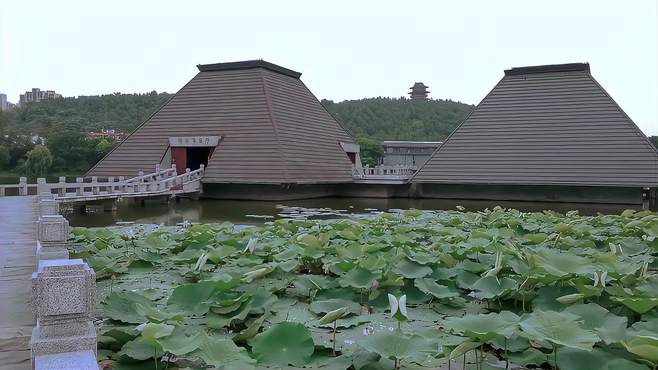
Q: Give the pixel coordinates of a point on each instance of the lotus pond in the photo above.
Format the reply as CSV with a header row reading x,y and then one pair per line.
x,y
410,290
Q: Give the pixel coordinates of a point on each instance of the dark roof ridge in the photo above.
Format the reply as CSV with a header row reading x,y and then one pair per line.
x,y
548,68
248,64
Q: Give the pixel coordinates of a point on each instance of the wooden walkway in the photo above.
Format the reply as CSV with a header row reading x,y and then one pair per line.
x,y
18,217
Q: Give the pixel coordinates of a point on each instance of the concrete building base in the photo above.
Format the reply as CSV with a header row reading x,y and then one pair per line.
x,y
635,197
531,193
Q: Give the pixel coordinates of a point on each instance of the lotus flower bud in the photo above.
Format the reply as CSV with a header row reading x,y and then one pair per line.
x,y
375,284
334,315
398,307
570,298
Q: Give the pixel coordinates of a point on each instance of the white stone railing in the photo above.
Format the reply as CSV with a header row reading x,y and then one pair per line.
x,y
93,188
385,171
22,188
63,298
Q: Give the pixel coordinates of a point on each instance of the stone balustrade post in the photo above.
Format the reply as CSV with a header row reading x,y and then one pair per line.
x,y
52,234
80,188
122,187
61,186
42,187
94,185
22,183
48,207
110,183
63,300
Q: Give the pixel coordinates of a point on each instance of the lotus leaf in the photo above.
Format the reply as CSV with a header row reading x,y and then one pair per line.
x,y
284,344
561,328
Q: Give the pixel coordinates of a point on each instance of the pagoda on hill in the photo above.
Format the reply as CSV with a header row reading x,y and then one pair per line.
x,y
419,91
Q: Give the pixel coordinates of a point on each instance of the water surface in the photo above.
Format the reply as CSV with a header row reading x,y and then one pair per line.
x,y
255,212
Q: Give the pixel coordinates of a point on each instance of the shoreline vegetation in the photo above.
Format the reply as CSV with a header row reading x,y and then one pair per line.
x,y
406,290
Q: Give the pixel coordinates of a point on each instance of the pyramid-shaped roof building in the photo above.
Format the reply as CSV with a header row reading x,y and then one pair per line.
x,y
545,125
269,127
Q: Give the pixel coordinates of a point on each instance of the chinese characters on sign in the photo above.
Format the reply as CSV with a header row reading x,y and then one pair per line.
x,y
194,141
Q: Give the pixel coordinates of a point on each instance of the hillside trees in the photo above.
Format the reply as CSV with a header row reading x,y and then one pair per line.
x,y
38,161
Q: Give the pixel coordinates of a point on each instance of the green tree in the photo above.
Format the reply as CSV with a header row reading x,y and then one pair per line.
x,y
102,148
654,140
72,150
4,157
371,151
399,119
39,160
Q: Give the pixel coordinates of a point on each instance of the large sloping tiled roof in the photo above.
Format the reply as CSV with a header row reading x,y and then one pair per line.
x,y
545,125
273,129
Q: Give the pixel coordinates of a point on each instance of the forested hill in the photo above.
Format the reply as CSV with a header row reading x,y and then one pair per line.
x,y
399,118
373,118
121,112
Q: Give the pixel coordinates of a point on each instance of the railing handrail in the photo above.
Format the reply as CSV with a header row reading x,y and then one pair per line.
x,y
158,182
393,171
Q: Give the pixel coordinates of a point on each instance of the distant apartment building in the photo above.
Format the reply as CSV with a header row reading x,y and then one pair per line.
x,y
37,95
411,153
4,104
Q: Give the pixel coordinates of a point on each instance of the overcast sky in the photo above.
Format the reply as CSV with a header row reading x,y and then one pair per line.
x,y
345,49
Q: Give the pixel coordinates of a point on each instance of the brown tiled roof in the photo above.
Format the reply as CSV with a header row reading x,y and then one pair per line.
x,y
545,125
273,129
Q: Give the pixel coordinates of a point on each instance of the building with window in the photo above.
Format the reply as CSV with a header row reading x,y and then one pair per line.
x,y
37,95
4,104
544,133
408,153
251,123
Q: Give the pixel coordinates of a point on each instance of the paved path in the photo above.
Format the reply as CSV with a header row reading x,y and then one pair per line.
x,y
18,217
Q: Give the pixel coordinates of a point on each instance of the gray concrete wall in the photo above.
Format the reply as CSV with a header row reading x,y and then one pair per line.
x,y
577,194
560,194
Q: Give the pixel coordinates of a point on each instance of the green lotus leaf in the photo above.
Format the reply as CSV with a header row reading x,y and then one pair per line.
x,y
483,327
288,265
640,305
462,348
611,328
251,330
323,307
123,306
647,327
141,349
196,299
180,343
284,344
530,356
311,282
577,359
154,331
393,345
313,241
491,286
556,263
411,270
560,328
222,353
218,321
429,286
643,346
359,278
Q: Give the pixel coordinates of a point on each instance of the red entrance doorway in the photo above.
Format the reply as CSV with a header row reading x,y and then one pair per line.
x,y
192,152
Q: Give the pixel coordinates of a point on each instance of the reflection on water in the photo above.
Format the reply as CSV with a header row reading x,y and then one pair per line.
x,y
255,212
